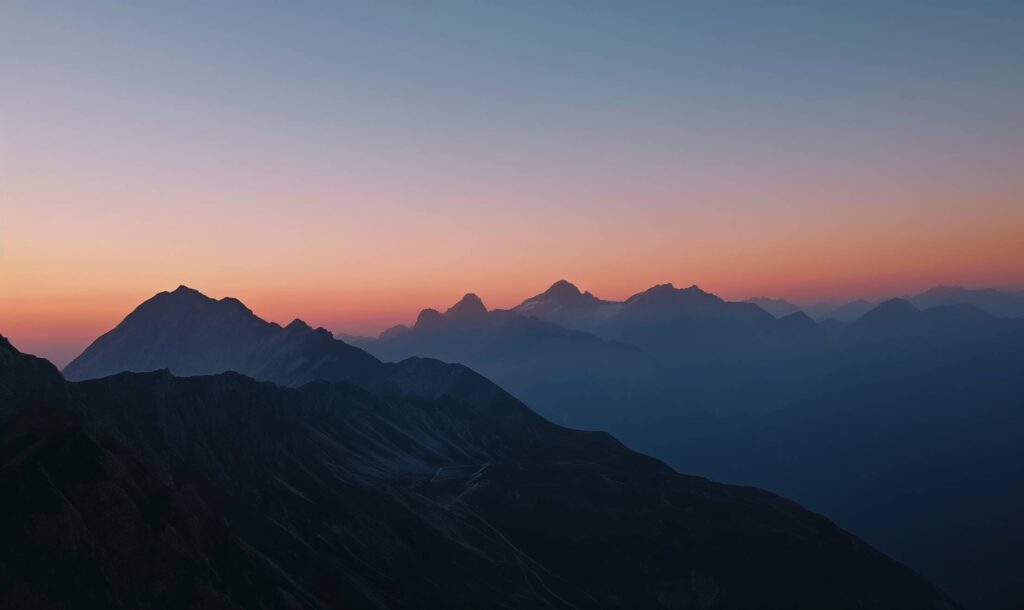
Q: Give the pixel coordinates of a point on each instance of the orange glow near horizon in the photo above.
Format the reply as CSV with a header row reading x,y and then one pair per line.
x,y
55,301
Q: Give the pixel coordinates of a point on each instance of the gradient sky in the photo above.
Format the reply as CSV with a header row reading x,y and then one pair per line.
x,y
352,163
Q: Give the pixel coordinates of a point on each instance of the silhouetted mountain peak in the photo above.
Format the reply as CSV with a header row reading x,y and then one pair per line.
x,y
235,304
667,294
181,294
696,291
562,289
190,333
563,298
298,324
182,298
429,317
469,306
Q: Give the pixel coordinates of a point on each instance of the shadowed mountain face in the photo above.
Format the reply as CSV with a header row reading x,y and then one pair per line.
x,y
85,524
363,500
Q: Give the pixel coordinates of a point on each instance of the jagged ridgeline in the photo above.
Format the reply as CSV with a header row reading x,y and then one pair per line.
x,y
427,487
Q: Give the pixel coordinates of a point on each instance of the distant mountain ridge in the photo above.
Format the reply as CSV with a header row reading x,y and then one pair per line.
x,y
793,405
995,302
1002,304
543,363
564,304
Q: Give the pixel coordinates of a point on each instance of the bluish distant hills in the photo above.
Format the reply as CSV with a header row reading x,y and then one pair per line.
x,y
1002,304
871,418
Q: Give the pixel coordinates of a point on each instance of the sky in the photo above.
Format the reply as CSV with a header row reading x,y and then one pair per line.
x,y
353,163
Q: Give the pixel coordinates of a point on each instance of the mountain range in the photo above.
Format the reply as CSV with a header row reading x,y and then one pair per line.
x,y
899,425
814,411
436,489
546,365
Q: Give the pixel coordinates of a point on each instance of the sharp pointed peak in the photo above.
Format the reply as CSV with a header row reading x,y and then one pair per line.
x,y
468,305
693,289
298,324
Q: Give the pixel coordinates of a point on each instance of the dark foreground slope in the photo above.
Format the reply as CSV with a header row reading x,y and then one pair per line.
x,y
85,525
363,500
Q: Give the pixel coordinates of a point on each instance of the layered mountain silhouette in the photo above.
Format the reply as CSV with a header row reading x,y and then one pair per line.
x,y
544,364
349,498
898,424
188,333
676,326
564,304
847,417
662,304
